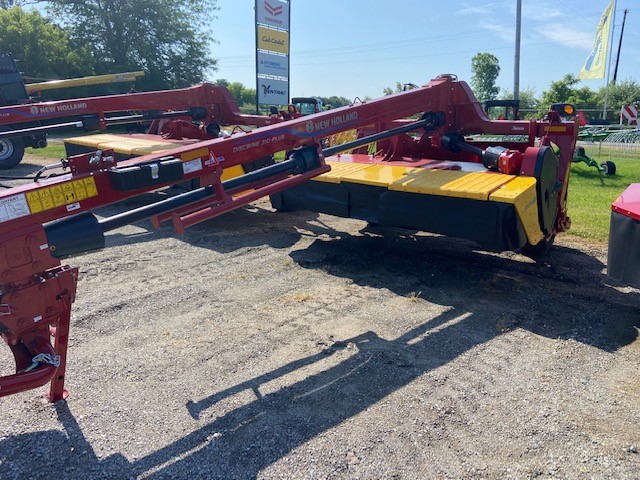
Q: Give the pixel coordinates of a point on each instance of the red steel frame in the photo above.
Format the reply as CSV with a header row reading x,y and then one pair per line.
x,y
37,290
218,101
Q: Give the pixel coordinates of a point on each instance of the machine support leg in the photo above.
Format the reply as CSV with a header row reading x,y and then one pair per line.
x,y
61,336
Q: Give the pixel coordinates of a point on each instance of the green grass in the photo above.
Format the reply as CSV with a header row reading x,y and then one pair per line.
x,y
591,194
53,150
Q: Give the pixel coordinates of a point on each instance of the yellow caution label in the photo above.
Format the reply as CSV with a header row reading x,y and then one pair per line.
x,y
90,187
58,196
46,199
69,193
33,200
63,194
81,192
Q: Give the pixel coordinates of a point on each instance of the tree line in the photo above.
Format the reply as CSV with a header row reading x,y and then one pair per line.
x,y
169,40
486,68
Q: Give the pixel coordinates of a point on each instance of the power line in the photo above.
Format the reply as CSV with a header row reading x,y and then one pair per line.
x,y
371,47
414,57
577,13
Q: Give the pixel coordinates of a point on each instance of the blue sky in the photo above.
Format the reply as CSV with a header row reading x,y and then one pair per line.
x,y
357,47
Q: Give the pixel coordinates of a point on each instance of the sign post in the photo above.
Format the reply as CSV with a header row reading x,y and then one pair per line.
x,y
272,52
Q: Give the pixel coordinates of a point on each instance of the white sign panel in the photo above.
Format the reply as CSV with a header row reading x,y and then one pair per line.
x,y
273,13
274,65
14,207
273,92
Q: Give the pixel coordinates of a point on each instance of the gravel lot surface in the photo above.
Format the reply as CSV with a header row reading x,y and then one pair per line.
x,y
295,345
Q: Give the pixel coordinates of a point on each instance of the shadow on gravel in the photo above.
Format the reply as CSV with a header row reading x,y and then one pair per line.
x,y
549,294
247,440
243,228
19,175
487,295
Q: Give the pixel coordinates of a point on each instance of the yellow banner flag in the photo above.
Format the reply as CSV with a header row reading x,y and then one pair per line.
x,y
594,66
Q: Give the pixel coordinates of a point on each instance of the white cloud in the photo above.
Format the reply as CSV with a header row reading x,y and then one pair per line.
x,y
503,32
560,33
477,9
540,12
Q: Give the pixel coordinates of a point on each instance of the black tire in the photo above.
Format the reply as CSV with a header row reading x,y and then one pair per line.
x,y
11,152
609,168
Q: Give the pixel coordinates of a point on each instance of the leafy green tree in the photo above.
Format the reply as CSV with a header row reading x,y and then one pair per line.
x,y
527,98
244,97
389,90
528,102
242,94
486,68
166,38
400,87
334,101
6,4
565,91
41,49
626,92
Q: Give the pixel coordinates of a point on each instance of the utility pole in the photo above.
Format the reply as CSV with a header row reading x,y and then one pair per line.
x,y
615,71
516,60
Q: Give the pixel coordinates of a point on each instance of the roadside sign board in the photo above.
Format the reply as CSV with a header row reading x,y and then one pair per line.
x,y
272,52
273,13
272,91
273,40
273,65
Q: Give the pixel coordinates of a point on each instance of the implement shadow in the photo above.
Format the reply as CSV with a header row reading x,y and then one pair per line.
x,y
486,295
546,296
248,439
246,227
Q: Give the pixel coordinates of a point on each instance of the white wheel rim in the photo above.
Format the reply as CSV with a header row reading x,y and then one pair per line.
x,y
6,149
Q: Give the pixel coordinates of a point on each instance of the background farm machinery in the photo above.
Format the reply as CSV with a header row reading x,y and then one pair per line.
x,y
424,174
188,114
510,110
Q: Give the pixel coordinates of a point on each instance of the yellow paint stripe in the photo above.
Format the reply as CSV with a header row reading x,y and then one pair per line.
x,y
199,153
232,172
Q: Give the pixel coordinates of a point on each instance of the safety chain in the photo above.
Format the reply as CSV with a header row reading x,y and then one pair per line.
x,y
43,358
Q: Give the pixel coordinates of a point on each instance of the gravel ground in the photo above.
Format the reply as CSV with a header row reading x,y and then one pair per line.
x,y
295,345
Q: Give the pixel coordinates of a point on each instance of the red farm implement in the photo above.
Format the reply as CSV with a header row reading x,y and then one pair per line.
x,y
425,173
